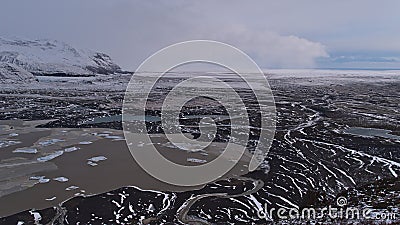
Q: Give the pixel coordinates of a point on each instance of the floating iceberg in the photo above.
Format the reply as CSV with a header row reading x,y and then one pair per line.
x,y
71,149
94,160
50,157
26,150
70,188
41,179
61,179
50,142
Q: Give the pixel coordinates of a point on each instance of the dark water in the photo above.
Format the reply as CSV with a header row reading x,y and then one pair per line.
x,y
371,132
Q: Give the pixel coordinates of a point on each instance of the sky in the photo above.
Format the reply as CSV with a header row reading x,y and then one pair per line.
x,y
360,34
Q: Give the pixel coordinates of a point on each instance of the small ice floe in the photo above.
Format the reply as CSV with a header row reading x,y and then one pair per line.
x,y
50,157
50,142
13,134
44,180
71,149
40,179
196,160
114,137
61,179
85,142
51,199
94,160
20,223
26,150
70,188
97,158
90,163
3,144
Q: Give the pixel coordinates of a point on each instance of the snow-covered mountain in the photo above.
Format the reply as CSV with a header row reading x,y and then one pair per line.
x,y
50,57
10,73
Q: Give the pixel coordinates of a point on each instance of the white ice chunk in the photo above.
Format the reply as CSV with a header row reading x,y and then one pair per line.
x,y
196,160
50,142
71,149
41,179
7,143
50,157
94,160
97,158
26,150
90,163
70,188
61,179
114,137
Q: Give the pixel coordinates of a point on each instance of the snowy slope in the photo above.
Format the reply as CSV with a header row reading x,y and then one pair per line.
x,y
10,73
50,57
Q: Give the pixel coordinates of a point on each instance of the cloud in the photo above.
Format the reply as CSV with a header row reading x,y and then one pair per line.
x,y
271,50
282,33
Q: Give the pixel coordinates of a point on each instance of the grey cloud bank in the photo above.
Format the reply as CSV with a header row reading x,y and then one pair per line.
x,y
277,34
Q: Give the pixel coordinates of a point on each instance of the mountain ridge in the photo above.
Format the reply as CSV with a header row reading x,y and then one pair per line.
x,y
45,57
